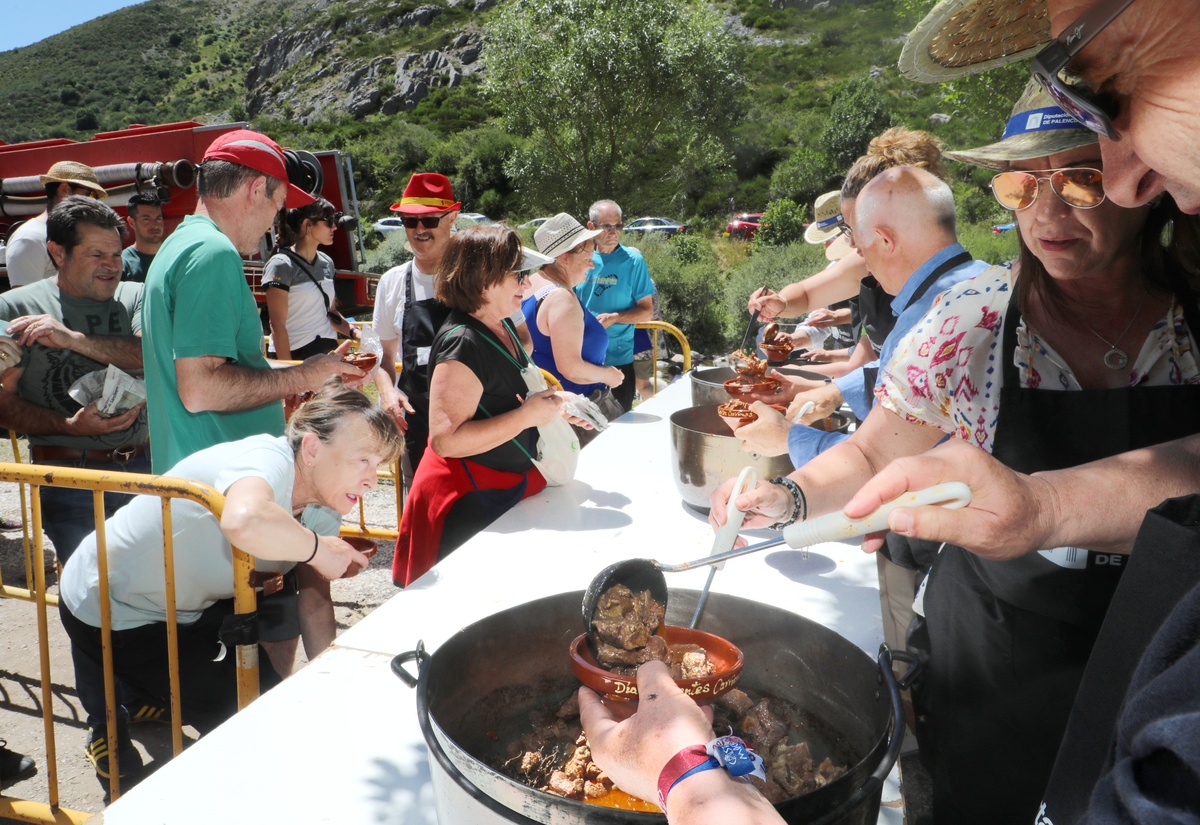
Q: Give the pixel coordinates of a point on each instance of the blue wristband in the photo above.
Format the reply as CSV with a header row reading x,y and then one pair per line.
x,y
707,765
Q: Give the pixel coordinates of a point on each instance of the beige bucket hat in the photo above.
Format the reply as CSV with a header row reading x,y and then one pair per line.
x,y
560,234
962,37
1037,127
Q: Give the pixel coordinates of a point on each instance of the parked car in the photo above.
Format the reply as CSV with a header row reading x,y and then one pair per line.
x,y
476,217
533,224
660,227
744,225
389,225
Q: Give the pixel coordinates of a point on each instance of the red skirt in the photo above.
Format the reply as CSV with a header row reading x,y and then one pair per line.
x,y
438,486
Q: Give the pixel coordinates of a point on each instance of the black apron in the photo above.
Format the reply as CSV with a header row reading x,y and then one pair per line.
x,y
1163,568
422,320
1007,641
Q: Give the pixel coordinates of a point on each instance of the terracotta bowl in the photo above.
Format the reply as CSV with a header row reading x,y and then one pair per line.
x,y
721,652
739,388
368,547
776,353
735,421
363,360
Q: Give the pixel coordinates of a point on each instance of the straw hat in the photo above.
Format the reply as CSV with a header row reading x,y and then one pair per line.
x,y
560,234
73,173
962,37
827,217
1037,127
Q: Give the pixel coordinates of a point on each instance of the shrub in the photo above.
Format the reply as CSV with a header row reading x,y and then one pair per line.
x,y
986,245
773,267
686,248
782,224
392,252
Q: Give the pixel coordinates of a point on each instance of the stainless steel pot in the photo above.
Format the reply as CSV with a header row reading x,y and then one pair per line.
x,y
482,682
705,453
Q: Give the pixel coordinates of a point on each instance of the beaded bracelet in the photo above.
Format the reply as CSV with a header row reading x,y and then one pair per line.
x,y
799,503
316,542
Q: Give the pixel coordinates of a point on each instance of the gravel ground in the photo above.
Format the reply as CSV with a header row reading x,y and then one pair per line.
x,y
20,672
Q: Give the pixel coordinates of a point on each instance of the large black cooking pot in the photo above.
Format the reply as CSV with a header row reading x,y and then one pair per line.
x,y
474,694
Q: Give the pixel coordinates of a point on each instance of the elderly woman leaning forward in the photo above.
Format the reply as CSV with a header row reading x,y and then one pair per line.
x,y
1086,349
483,417
284,499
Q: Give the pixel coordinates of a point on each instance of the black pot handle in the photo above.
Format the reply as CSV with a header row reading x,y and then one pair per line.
x,y
915,667
874,784
401,659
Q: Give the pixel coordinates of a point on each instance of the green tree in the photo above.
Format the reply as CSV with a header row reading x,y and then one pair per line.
x,y
859,112
616,98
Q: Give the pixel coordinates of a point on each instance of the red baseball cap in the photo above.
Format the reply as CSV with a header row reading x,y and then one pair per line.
x,y
256,151
427,192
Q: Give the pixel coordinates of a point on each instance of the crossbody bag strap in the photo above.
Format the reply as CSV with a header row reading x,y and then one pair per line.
x,y
303,264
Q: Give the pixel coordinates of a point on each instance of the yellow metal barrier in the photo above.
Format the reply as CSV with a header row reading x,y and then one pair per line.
x,y
99,482
662,326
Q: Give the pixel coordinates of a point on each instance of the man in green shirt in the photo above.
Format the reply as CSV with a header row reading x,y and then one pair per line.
x,y
207,380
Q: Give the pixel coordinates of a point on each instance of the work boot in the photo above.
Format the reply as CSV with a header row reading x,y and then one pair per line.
x,y
97,751
13,765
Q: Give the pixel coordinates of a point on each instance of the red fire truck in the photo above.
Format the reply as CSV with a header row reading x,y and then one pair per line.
x,y
164,158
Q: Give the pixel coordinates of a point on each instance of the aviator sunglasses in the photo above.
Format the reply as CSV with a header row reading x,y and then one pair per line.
x,y
1081,187
1095,111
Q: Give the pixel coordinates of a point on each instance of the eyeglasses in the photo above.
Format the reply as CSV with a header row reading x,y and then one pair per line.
x,y
522,276
424,221
847,231
1093,110
610,227
1080,187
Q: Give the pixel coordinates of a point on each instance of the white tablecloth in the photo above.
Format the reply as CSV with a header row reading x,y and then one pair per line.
x,y
338,742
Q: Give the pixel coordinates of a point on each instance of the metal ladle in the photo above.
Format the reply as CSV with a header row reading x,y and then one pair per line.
x,y
647,574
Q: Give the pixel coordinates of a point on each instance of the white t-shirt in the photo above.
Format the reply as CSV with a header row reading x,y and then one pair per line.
x,y
307,318
27,259
203,557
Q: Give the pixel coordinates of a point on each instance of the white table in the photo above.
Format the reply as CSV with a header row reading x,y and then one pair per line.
x,y
339,742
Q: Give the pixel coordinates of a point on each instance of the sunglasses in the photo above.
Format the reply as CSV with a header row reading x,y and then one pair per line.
x,y
522,276
329,221
83,190
1093,110
424,221
1080,187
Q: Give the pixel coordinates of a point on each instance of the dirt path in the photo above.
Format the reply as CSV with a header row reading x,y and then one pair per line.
x,y
20,671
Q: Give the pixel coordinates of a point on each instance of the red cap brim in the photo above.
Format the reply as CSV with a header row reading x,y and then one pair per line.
x,y
297,197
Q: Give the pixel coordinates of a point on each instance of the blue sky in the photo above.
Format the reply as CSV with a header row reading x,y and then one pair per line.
x,y
26,23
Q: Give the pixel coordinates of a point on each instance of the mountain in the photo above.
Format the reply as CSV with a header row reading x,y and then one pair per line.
x,y
397,83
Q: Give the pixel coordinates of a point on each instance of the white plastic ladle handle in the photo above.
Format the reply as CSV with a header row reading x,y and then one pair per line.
x,y
808,407
836,527
747,480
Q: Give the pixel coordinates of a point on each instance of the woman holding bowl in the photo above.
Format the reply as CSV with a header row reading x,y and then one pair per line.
x,y
284,499
483,418
568,341
1088,353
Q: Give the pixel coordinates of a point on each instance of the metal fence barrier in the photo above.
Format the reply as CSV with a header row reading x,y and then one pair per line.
x,y
36,476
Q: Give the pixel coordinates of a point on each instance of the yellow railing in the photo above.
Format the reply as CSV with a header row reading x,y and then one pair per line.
x,y
35,476
655,328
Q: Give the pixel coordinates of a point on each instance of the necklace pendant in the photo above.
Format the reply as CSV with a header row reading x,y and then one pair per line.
x,y
1116,359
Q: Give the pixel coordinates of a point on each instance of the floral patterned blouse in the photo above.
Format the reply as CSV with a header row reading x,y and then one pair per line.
x,y
946,372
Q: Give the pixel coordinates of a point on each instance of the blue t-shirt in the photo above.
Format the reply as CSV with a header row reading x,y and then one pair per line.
x,y
616,283
595,342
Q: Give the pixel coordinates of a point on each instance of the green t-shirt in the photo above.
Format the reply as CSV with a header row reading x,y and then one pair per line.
x,y
49,372
197,303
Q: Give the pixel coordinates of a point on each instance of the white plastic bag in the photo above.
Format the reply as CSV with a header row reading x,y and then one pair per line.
x,y
558,446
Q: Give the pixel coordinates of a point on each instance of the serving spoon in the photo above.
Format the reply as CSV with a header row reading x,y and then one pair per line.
x,y
647,574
